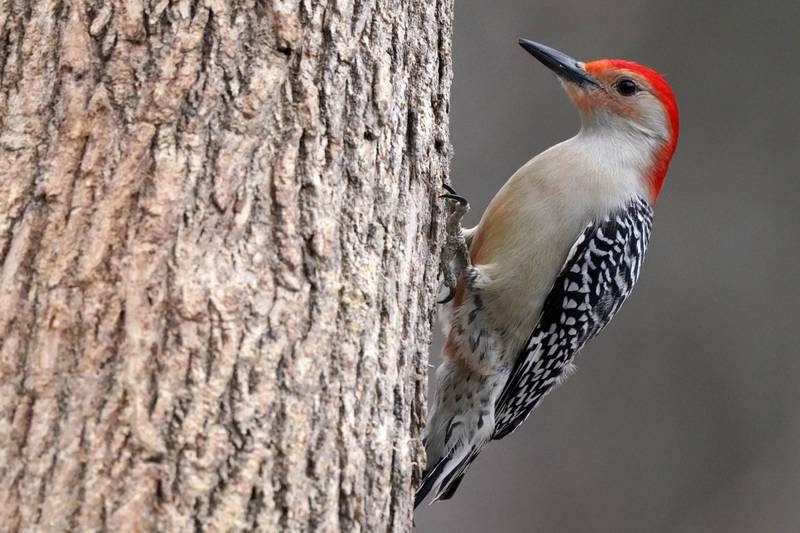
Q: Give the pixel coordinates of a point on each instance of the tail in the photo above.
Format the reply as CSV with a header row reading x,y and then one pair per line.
x,y
429,478
460,424
445,477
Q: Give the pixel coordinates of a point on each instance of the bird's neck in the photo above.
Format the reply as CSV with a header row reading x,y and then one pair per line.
x,y
625,154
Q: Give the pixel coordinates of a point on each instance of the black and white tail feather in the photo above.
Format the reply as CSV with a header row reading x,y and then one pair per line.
x,y
446,476
598,275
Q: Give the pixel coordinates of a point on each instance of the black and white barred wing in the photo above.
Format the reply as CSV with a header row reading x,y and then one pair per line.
x,y
597,277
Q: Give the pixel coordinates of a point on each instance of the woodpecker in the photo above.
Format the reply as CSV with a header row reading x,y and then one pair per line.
x,y
555,255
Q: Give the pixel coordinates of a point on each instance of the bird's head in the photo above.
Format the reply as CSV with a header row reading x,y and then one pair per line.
x,y
621,96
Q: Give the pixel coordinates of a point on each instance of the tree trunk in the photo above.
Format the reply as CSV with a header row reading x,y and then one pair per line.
x,y
219,234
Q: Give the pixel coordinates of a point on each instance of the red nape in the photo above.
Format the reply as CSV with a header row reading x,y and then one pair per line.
x,y
663,91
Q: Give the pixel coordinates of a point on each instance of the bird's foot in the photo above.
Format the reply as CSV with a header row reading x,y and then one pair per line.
x,y
455,254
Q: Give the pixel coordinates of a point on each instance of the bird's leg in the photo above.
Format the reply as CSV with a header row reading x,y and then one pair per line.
x,y
455,255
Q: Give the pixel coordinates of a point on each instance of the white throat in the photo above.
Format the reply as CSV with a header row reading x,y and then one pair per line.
x,y
618,148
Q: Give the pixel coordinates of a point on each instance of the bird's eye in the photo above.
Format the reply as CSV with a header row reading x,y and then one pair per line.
x,y
627,87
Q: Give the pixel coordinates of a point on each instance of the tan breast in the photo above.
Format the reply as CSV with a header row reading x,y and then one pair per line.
x,y
525,235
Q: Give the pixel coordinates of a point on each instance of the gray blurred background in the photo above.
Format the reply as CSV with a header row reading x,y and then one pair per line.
x,y
684,415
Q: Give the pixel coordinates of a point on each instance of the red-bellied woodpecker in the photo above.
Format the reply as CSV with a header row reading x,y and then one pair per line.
x,y
553,258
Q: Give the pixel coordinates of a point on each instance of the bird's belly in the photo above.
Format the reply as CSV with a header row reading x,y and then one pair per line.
x,y
519,278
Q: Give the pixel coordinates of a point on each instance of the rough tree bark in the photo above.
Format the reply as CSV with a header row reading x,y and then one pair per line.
x,y
219,239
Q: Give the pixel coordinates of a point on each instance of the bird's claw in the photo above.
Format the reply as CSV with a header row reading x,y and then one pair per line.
x,y
455,255
459,206
451,291
460,199
453,195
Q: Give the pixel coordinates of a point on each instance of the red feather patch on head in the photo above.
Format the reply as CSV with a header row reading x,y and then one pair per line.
x,y
663,92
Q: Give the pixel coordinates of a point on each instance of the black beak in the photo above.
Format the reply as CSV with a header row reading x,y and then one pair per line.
x,y
565,67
